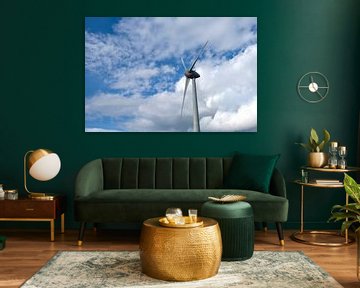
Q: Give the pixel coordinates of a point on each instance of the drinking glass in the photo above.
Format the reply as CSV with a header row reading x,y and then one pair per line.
x,y
193,215
179,220
173,214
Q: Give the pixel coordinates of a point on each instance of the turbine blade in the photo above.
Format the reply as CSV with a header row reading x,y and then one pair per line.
x,y
186,86
182,60
197,58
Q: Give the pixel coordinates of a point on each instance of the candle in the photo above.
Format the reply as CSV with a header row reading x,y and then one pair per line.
x,y
342,149
333,144
342,154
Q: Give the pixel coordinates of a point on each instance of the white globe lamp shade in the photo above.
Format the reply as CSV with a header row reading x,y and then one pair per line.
x,y
44,164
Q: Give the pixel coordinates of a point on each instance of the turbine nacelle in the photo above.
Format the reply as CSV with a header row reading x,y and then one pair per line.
x,y
191,74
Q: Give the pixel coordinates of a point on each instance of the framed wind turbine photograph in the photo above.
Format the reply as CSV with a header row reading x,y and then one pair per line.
x,y
171,74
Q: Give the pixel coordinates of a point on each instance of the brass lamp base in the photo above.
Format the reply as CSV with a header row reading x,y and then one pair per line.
x,y
41,196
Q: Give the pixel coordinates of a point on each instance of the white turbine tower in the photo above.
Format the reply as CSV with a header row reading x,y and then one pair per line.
x,y
192,74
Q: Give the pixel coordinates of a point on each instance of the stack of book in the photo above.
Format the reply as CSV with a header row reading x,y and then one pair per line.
x,y
327,181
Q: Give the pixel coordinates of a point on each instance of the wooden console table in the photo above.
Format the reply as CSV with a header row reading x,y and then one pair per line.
x,y
26,209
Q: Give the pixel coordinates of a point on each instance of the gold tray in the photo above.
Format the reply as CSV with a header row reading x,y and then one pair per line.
x,y
228,198
165,222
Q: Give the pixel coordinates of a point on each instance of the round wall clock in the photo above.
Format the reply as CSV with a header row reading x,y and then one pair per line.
x,y
313,87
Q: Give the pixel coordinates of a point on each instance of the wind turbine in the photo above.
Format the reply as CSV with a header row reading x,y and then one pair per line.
x,y
192,74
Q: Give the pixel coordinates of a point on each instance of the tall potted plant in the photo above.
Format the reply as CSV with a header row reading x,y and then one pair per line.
x,y
317,157
350,214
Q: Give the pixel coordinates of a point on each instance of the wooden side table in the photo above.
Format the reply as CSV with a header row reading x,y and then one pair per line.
x,y
26,209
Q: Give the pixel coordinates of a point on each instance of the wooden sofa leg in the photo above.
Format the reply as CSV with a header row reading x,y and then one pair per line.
x,y
280,233
265,227
81,233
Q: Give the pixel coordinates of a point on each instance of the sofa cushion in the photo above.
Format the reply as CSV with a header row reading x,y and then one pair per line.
x,y
251,172
266,207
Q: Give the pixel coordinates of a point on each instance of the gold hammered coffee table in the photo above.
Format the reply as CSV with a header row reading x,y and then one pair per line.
x,y
180,254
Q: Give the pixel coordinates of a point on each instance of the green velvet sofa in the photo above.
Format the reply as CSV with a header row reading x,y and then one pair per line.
x,y
130,190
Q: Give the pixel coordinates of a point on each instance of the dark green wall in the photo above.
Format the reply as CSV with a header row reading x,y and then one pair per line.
x,y
42,88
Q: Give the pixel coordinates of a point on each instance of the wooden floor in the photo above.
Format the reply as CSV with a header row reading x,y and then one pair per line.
x,y
28,250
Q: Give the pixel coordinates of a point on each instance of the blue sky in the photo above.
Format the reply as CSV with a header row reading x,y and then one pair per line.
x,y
134,79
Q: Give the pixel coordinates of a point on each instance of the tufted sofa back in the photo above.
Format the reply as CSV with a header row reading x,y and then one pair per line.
x,y
165,173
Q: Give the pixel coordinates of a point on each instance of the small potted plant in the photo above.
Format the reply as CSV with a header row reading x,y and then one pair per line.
x,y
317,157
350,214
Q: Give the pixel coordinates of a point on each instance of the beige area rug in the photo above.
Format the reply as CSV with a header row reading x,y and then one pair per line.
x,y
80,269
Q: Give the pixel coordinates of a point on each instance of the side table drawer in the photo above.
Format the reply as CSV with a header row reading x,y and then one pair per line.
x,y
30,209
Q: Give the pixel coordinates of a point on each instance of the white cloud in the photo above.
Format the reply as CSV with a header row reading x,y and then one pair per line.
x,y
139,78
244,119
144,85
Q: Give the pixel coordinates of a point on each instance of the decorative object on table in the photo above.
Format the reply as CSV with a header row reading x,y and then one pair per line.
x,y
187,223
328,182
43,165
313,87
2,192
304,176
317,157
193,215
2,242
236,221
333,150
11,194
122,268
342,153
350,213
174,215
228,198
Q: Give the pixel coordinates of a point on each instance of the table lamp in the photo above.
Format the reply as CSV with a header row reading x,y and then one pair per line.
x,y
43,165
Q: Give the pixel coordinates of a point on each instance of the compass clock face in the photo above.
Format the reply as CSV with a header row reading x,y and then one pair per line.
x,y
313,87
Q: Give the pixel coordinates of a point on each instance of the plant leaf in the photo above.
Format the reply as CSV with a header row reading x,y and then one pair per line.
x,y
352,188
326,136
306,146
337,216
314,135
352,207
312,144
346,225
321,146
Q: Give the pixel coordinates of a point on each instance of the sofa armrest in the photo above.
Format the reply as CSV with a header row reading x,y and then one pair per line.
x,y
89,179
277,184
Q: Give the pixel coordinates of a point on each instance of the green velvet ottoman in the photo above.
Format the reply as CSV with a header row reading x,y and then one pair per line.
x,y
236,221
